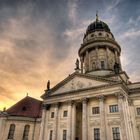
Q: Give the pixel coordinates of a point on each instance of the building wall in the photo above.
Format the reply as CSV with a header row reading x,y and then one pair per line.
x,y
19,129
94,121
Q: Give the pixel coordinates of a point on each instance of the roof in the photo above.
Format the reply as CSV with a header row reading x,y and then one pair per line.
x,y
97,25
27,107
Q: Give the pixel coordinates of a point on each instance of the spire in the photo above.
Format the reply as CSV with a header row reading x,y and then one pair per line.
x,y
97,18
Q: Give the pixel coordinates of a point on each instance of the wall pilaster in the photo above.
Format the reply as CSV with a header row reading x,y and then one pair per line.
x,y
84,119
56,120
122,116
73,120
42,129
102,118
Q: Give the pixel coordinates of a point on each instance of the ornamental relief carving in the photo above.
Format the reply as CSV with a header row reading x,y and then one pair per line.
x,y
63,125
114,122
95,123
80,85
50,125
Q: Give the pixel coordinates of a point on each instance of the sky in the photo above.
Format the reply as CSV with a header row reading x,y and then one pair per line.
x,y
39,41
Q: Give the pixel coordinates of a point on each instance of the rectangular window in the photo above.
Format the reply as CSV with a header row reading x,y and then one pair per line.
x,y
113,108
64,134
65,113
116,133
102,65
52,114
96,134
51,134
95,110
138,111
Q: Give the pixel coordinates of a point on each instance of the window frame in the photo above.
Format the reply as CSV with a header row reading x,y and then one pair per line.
x,y
51,135
96,133
65,113
113,108
26,132
11,131
116,134
138,111
102,64
52,114
95,110
65,134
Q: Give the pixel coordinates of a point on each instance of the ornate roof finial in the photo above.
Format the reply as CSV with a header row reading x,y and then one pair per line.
x,y
97,18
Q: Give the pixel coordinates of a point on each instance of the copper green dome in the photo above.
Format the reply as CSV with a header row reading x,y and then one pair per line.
x,y
97,25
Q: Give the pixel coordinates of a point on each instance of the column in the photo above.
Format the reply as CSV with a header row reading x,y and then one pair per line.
x,y
116,56
130,120
102,118
82,61
87,62
56,121
46,132
73,120
97,59
84,119
138,129
122,115
132,112
69,121
120,64
42,129
107,55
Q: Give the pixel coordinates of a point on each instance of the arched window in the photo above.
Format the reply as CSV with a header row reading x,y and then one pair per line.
x,y
102,65
26,132
11,131
93,66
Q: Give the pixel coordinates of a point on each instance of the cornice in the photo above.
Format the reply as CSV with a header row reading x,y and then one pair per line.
x,y
98,40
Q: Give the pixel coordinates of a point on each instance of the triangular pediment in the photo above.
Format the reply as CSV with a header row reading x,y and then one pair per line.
x,y
78,81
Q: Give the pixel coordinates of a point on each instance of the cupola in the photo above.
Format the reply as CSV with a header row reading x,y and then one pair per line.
x,y
99,51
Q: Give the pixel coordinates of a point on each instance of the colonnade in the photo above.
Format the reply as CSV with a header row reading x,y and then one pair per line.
x,y
71,120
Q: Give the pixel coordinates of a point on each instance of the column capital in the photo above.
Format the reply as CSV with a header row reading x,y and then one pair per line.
x,y
130,102
85,100
70,102
46,106
101,97
57,104
119,95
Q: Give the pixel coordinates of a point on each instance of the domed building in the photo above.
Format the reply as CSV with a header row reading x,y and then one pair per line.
x,y
96,102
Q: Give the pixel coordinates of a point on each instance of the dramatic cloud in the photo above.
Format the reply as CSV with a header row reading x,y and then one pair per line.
x,y
39,40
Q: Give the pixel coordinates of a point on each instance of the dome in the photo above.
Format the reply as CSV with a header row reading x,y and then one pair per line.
x,y
97,25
